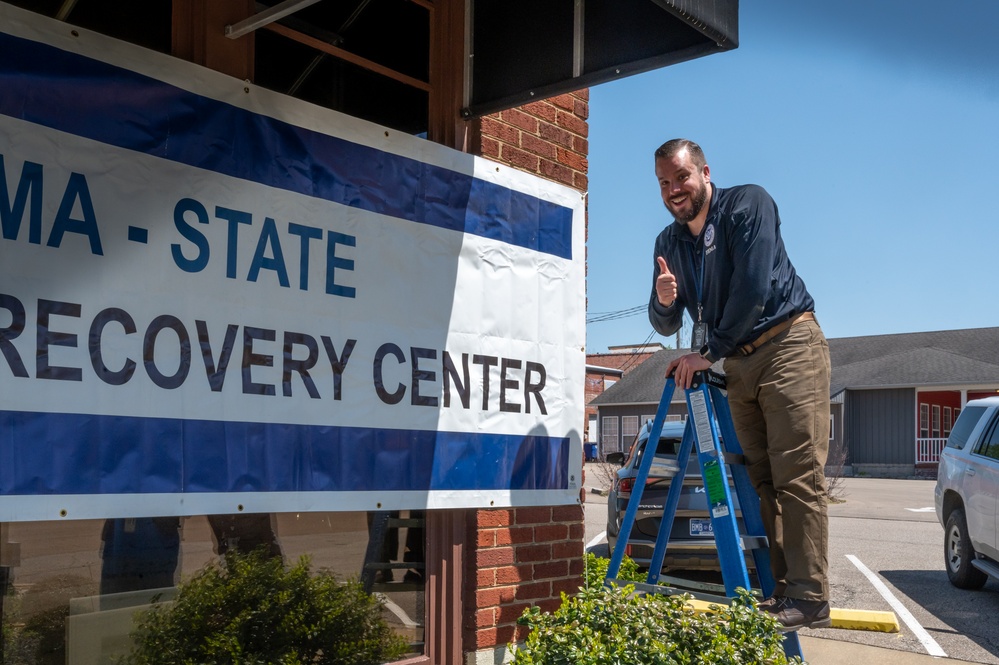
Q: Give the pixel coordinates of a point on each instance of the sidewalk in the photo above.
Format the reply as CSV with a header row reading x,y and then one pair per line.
x,y
824,651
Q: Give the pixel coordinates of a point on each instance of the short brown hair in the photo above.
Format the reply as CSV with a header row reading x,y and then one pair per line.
x,y
673,146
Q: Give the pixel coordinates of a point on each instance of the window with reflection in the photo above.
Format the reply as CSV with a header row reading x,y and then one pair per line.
x,y
76,591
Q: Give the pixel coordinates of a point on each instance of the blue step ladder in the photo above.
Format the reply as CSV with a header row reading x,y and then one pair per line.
x,y
709,416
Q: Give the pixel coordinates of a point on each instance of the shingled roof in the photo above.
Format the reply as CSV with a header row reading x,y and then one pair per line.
x,y
643,384
942,358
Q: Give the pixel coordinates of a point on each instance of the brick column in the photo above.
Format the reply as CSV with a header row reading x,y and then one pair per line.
x,y
521,557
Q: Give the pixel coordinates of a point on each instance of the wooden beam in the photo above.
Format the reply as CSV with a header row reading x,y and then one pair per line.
x,y
199,35
447,77
336,52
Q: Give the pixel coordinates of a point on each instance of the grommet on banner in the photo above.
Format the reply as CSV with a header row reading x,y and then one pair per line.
x,y
63,513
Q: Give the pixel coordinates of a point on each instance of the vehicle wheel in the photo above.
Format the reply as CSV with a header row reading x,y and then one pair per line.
x,y
958,554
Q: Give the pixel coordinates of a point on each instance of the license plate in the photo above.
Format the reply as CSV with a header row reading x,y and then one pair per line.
x,y
701,528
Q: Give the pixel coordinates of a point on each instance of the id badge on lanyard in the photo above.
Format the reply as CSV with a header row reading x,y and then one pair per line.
x,y
699,334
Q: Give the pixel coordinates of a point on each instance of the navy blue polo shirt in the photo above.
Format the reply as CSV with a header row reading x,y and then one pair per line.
x,y
749,284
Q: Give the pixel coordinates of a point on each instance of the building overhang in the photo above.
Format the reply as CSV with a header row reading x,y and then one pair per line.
x,y
523,50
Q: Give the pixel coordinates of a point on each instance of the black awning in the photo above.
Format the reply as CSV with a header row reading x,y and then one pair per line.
x,y
522,50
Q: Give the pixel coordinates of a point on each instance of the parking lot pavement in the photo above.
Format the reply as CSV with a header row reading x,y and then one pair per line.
x,y
889,527
825,651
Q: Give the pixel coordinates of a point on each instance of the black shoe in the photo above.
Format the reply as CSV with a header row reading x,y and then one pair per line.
x,y
413,577
383,576
795,613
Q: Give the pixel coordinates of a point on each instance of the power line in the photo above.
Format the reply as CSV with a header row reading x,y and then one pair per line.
x,y
641,349
600,317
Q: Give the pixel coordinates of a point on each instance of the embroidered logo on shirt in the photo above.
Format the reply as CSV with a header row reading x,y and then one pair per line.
x,y
709,237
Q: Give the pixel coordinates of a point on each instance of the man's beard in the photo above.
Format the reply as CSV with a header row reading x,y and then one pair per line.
x,y
696,204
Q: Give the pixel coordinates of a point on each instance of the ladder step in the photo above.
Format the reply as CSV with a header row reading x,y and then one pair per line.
x,y
750,543
709,593
695,588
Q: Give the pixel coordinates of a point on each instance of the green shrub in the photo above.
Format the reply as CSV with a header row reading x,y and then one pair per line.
x,y
595,571
20,643
611,625
38,639
254,611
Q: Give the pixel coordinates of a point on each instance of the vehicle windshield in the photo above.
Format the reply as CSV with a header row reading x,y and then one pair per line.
x,y
963,427
667,446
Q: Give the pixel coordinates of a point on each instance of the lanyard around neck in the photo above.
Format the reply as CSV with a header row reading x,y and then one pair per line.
x,y
698,269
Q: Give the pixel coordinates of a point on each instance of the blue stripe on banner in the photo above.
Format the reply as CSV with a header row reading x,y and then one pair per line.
x,y
89,98
54,453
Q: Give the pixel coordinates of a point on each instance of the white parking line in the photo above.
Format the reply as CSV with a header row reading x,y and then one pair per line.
x,y
596,541
921,510
924,638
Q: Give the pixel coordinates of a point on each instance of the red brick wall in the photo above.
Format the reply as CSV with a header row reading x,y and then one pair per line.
x,y
547,137
520,557
527,556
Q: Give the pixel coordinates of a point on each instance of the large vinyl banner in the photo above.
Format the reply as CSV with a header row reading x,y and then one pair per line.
x,y
215,298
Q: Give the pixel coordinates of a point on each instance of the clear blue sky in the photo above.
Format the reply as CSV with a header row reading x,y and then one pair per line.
x,y
873,124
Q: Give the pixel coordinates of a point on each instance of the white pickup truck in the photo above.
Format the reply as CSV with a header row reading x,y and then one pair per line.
x,y
967,495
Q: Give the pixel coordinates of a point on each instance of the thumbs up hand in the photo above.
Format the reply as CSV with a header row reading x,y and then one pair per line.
x,y
665,284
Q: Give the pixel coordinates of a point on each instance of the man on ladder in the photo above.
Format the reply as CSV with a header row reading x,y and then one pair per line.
x,y
723,260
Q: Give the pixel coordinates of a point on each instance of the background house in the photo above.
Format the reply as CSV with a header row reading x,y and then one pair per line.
x,y
604,370
899,395
894,397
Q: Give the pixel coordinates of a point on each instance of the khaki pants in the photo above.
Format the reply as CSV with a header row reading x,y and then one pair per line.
x,y
779,397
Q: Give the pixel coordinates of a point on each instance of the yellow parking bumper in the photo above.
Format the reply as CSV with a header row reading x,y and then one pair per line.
x,y
882,622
